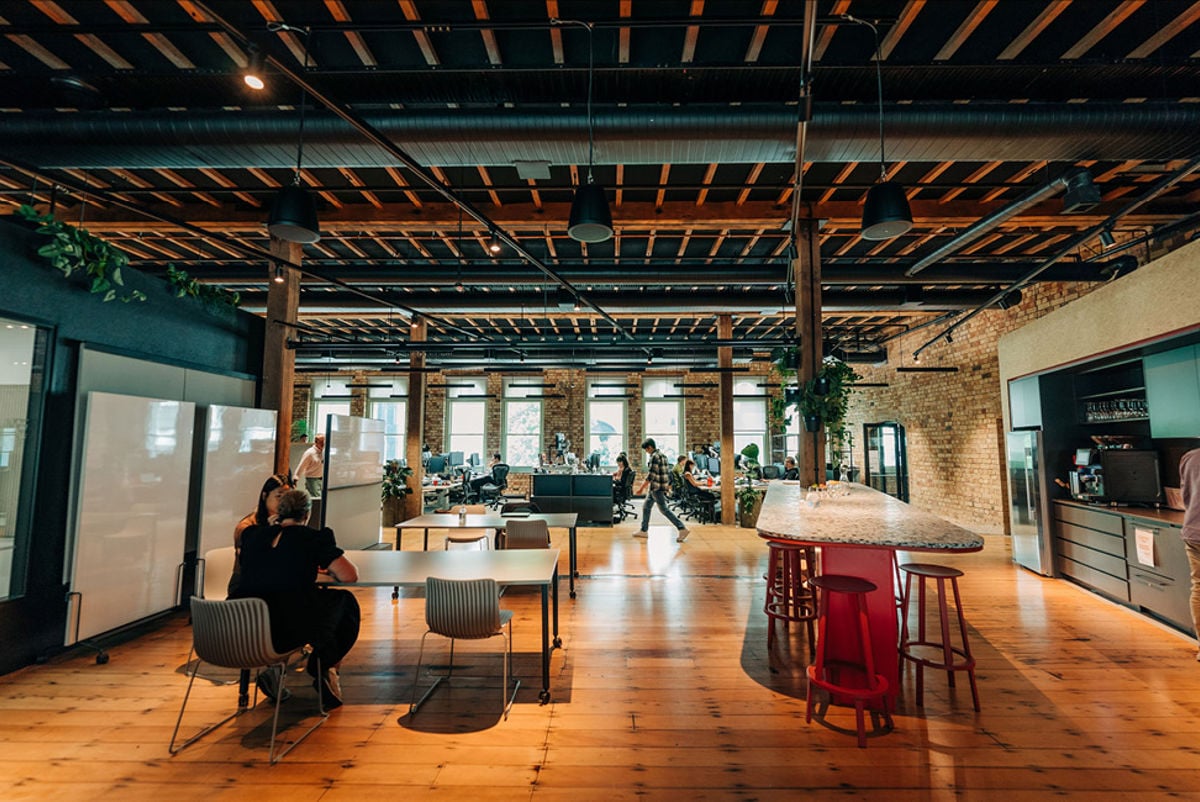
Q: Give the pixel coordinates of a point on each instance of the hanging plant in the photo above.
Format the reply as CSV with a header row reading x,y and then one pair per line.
x,y
73,250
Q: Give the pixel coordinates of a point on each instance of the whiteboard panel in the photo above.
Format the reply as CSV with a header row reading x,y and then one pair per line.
x,y
239,455
131,517
353,513
353,452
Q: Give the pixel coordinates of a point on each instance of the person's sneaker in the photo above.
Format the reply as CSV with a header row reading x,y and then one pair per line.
x,y
330,688
683,535
268,683
641,533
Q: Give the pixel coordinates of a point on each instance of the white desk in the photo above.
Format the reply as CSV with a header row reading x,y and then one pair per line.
x,y
494,520
534,567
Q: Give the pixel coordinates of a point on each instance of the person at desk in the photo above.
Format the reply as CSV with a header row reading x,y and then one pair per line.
x,y
264,514
487,478
622,469
790,471
311,469
681,464
279,565
1189,485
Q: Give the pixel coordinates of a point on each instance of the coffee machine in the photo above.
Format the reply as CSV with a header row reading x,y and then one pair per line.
x,y
1087,480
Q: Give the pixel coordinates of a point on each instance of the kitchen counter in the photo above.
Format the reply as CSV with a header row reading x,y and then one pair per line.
x,y
866,517
1163,514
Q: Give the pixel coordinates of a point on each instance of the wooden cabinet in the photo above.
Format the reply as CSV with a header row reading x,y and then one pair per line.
x,y
1090,546
1173,392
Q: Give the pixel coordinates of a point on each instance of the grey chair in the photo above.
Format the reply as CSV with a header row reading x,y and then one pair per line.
x,y
526,535
236,633
467,609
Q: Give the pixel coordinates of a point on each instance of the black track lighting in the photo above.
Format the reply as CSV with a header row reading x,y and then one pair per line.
x,y
1107,240
494,244
278,276
254,75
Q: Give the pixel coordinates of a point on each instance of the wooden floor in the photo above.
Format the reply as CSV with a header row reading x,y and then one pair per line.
x,y
664,690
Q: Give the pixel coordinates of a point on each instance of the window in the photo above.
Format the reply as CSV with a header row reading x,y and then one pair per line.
x,y
323,405
522,422
466,415
382,404
663,417
24,348
606,424
750,417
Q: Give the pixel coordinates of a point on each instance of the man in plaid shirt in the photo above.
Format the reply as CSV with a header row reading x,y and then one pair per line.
x,y
658,480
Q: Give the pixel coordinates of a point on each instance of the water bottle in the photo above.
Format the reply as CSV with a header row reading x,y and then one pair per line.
x,y
462,515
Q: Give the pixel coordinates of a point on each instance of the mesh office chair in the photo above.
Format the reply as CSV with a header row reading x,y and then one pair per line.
x,y
467,609
623,497
492,493
526,535
237,634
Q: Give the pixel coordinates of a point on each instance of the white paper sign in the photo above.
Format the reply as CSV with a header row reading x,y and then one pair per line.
x,y
1145,545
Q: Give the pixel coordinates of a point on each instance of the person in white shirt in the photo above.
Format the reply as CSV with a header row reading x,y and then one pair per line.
x,y
311,469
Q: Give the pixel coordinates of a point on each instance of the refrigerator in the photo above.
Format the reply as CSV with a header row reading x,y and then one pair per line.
x,y
1029,503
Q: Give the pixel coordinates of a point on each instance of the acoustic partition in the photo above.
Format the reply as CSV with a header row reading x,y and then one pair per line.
x,y
353,480
131,514
238,456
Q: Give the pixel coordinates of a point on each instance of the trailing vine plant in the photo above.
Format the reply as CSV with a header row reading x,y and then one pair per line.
x,y
72,249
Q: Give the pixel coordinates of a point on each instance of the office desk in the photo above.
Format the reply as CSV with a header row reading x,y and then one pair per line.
x,y
858,534
494,520
535,567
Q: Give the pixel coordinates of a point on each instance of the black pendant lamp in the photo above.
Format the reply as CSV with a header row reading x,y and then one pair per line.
x,y
293,216
590,220
886,213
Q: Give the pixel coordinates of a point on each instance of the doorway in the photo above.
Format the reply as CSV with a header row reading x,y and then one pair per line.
x,y
886,459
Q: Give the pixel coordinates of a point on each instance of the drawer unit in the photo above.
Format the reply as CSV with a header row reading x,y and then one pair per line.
x,y
1090,548
1162,585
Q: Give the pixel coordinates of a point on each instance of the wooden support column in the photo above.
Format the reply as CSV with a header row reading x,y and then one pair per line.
x,y
725,361
414,502
807,271
279,362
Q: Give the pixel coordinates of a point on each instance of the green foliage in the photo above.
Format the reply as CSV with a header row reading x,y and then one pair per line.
x,y
750,460
72,250
395,480
299,430
748,498
831,408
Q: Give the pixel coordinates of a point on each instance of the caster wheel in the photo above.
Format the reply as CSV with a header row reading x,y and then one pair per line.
x,y
558,643
572,594
544,697
102,658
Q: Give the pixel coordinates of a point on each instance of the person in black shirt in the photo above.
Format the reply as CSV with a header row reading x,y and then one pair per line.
x,y
279,565
790,471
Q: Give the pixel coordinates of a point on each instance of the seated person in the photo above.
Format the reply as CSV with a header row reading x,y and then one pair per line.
x,y
488,478
790,471
280,562
680,464
266,513
622,468
689,476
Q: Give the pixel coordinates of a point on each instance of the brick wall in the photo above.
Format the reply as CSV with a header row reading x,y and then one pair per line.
x,y
952,421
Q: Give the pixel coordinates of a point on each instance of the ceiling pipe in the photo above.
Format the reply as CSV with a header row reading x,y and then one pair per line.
x,y
684,135
990,221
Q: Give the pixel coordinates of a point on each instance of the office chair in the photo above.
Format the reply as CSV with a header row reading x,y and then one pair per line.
x,y
623,497
492,494
519,534
236,633
466,609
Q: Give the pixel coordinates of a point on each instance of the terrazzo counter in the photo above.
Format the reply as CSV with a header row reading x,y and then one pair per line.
x,y
865,517
858,535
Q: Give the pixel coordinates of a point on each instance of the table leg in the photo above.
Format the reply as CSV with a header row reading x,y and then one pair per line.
x,y
573,568
544,696
874,565
554,600
426,546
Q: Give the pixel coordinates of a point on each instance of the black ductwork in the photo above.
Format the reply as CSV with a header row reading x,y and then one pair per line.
x,y
642,135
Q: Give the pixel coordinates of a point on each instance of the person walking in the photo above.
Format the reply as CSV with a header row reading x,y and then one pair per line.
x,y
311,469
655,486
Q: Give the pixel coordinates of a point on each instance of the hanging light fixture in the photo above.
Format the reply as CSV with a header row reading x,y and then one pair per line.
x,y
1107,240
494,244
293,216
252,76
278,277
591,220
885,213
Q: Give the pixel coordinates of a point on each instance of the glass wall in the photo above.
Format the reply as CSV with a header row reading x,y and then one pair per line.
x,y
22,356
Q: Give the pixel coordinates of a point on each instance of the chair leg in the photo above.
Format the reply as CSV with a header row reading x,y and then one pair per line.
x,y
506,699
187,694
322,714
413,702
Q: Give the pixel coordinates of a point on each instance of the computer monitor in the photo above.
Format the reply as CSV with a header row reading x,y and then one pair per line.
x,y
473,460
454,459
714,466
594,461
436,465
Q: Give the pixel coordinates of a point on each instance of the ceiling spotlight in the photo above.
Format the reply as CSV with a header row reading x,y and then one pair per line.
x,y
459,286
494,244
252,76
1106,239
949,338
578,306
916,357
413,323
649,359
278,278
521,357
590,220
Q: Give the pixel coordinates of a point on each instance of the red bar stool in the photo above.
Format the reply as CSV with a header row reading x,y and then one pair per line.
x,y
953,658
843,679
789,567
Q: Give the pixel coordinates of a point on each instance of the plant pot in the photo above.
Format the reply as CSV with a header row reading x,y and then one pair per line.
x,y
812,423
393,511
748,516
821,385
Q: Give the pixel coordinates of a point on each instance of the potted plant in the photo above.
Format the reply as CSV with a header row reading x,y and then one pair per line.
x,y
749,504
750,461
394,489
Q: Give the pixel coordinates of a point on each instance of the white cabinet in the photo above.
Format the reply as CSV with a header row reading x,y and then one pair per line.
x,y
1173,392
